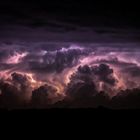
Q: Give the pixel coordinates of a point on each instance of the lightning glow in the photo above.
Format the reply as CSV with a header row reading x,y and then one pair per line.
x,y
16,58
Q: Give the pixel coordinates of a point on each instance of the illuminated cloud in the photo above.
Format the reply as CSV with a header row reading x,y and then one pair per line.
x,y
16,58
98,77
42,74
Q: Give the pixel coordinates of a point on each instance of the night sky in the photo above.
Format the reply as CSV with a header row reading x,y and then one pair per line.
x,y
69,54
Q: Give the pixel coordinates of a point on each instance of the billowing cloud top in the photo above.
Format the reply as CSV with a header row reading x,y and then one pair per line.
x,y
44,74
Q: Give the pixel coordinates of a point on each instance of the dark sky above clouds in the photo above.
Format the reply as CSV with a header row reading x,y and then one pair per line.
x,y
69,20
116,13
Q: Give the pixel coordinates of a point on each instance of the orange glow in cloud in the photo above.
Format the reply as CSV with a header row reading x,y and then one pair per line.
x,y
34,83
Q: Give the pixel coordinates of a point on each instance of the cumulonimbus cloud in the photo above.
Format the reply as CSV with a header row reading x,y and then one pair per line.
x,y
41,75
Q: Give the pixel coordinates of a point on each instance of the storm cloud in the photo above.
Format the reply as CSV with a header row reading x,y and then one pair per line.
x,y
88,80
56,60
15,91
49,75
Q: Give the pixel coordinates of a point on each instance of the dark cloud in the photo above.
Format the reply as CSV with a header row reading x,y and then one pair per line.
x,y
85,69
15,91
42,96
3,55
128,70
127,99
81,83
9,95
104,73
133,70
100,99
22,82
82,93
82,90
5,66
19,78
56,60
116,62
84,82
